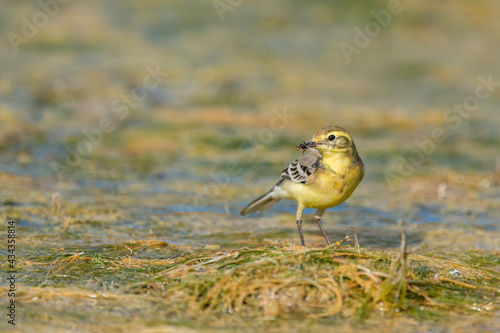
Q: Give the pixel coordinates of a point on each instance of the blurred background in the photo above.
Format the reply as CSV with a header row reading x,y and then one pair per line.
x,y
135,129
163,119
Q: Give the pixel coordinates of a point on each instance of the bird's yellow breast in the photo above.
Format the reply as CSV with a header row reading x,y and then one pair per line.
x,y
330,185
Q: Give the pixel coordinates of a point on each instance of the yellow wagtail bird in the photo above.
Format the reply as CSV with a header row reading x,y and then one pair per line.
x,y
323,177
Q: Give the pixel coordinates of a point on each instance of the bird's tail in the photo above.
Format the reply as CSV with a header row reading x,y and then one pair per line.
x,y
262,203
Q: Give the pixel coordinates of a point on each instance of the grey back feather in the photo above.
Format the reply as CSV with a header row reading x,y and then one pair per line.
x,y
299,170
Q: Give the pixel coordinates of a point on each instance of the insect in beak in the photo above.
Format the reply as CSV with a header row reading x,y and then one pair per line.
x,y
303,146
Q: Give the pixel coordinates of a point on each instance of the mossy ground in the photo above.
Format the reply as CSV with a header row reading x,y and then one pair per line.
x,y
153,284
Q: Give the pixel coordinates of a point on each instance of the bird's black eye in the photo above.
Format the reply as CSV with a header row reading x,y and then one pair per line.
x,y
331,137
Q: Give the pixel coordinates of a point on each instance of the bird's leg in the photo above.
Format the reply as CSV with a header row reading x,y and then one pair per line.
x,y
300,211
299,225
317,219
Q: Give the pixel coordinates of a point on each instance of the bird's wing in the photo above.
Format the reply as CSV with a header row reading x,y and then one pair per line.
x,y
299,170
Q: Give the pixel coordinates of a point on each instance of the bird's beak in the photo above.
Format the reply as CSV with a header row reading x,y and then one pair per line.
x,y
311,144
304,145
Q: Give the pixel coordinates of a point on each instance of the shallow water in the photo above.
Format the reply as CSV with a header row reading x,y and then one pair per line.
x,y
179,165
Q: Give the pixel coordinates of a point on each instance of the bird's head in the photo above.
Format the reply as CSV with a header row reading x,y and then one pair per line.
x,y
331,139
